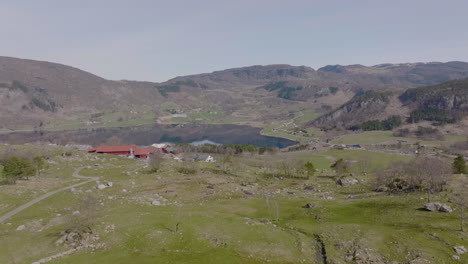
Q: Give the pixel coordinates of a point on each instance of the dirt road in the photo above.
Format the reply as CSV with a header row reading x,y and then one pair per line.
x,y
42,197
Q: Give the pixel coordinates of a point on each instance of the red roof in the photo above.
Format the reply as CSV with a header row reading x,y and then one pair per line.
x,y
107,149
146,151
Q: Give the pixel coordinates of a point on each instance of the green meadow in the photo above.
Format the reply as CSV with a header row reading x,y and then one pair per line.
x,y
236,216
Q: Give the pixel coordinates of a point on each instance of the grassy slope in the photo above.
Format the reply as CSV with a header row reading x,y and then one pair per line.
x,y
376,137
224,224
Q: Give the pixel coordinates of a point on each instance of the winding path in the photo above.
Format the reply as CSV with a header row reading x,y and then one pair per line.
x,y
42,197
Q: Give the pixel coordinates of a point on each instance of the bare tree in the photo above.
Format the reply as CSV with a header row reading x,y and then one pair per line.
x,y
284,168
422,173
429,173
84,216
299,168
364,165
459,197
155,161
225,159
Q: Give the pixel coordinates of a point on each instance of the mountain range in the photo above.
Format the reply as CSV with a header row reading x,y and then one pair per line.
x,y
33,93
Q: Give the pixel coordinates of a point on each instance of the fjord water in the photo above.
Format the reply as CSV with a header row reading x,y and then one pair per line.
x,y
146,135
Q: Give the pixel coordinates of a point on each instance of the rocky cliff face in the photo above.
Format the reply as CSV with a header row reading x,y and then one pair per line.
x,y
443,103
449,96
372,105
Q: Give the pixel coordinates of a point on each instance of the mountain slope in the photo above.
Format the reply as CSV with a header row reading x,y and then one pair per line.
x,y
33,91
30,90
443,103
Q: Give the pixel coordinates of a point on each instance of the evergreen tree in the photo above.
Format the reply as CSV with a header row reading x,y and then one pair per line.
x,y
459,165
309,168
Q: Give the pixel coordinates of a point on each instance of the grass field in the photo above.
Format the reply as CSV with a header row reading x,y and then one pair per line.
x,y
308,115
239,217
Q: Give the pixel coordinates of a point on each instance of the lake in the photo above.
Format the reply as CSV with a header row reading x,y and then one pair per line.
x,y
147,135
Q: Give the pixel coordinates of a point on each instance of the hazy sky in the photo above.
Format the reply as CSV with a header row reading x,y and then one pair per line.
x,y
157,40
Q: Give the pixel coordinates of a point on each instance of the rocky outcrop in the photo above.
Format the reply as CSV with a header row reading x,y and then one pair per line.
x,y
445,102
440,207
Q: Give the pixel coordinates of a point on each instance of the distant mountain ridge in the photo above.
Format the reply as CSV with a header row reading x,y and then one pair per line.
x,y
33,91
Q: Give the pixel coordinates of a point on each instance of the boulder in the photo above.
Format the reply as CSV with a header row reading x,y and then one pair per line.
x,y
445,209
455,257
460,250
21,228
432,206
347,181
155,202
109,184
308,205
101,186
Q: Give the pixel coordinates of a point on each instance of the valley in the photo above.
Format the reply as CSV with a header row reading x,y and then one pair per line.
x,y
343,164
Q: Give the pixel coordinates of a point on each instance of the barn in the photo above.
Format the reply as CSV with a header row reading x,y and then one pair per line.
x,y
124,150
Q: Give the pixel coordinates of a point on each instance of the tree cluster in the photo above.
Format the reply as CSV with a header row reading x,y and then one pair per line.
x,y
230,149
387,124
432,114
420,174
18,168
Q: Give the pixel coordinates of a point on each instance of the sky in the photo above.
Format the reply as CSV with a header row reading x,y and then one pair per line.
x,y
158,40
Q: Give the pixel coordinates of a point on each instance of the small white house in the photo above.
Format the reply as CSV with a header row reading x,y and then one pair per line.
x,y
209,159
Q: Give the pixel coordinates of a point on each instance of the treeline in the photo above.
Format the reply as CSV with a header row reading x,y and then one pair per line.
x,y
298,147
387,124
427,133
231,149
433,114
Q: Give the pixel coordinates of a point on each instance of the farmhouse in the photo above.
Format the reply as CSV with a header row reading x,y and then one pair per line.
x,y
143,153
132,151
